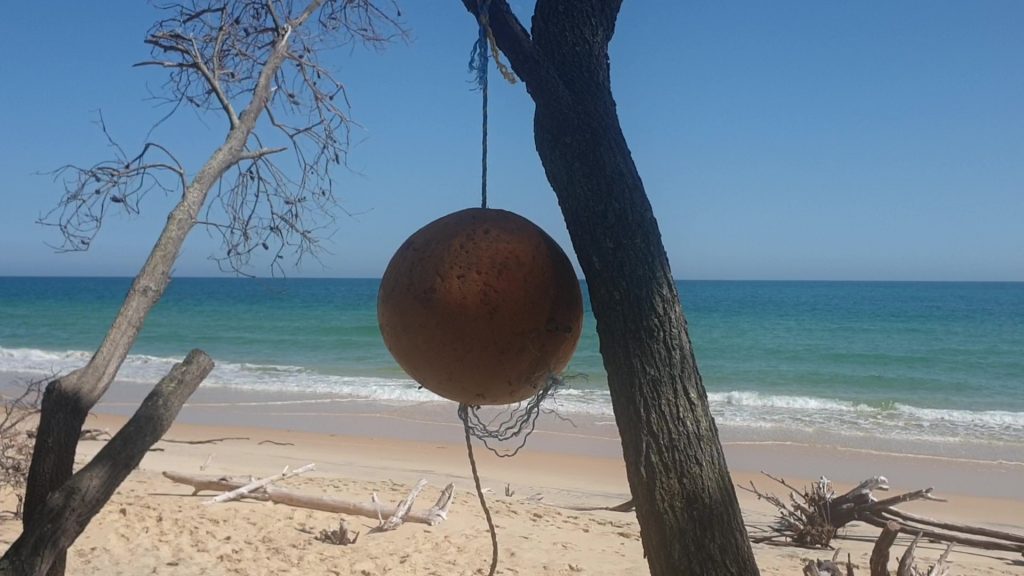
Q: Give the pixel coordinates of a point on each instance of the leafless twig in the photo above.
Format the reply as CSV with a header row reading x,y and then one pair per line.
x,y
16,443
278,195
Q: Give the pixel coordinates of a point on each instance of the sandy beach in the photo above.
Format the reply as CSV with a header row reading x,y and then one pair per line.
x,y
154,526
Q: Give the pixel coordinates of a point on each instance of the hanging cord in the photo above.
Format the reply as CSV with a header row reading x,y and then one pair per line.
x,y
484,46
463,415
478,64
519,423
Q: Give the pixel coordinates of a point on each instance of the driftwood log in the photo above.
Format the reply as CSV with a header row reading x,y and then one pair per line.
x,y
879,564
813,516
433,516
241,491
880,553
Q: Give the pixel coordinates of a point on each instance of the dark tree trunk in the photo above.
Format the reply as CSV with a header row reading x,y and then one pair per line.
x,y
57,521
62,416
689,517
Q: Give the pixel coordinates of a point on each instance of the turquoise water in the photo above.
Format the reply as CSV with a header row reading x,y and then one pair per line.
x,y
931,361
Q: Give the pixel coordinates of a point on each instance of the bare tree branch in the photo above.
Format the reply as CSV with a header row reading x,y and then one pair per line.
x,y
226,56
514,40
220,55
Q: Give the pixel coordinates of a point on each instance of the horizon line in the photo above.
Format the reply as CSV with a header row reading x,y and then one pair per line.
x,y
582,279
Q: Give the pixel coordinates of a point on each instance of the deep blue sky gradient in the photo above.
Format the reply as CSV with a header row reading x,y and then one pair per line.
x,y
777,140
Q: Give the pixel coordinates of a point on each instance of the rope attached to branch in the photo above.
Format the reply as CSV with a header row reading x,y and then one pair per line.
x,y
478,65
479,59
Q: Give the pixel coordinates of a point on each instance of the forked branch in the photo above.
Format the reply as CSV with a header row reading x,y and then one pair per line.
x,y
239,59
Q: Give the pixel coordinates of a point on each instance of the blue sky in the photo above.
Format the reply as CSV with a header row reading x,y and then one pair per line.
x,y
777,140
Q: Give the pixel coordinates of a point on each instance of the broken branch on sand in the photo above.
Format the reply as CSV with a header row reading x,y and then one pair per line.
x,y
879,564
257,484
432,517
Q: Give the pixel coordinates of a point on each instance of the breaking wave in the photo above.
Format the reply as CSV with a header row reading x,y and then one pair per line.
x,y
742,408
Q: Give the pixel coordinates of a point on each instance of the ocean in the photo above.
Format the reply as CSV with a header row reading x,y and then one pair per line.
x,y
856,363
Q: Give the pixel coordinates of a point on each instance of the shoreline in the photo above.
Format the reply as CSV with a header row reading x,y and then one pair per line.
x,y
280,392
318,411
584,436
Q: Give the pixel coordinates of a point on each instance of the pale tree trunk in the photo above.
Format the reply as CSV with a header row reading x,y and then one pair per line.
x,y
689,516
68,399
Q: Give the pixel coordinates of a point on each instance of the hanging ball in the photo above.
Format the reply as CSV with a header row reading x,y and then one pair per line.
x,y
480,307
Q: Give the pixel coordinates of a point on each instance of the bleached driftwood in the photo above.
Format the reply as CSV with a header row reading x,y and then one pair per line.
x,y
954,526
814,515
199,482
952,537
257,484
880,559
402,510
880,553
907,568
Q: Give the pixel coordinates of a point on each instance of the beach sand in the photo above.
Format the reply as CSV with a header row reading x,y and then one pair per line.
x,y
154,526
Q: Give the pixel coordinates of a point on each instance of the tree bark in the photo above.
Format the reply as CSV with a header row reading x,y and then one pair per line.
x,y
61,418
59,520
71,397
880,553
689,517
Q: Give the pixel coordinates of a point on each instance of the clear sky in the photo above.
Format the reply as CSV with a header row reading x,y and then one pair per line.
x,y
777,140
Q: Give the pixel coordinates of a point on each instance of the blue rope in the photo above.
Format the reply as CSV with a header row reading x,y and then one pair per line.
x,y
478,65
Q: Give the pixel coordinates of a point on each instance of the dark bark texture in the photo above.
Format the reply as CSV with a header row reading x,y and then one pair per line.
x,y
689,517
61,418
58,521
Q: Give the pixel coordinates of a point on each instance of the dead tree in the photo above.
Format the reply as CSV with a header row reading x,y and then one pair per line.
x,y
813,516
256,64
689,517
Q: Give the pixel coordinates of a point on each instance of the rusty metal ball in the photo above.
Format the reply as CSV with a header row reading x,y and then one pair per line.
x,y
480,307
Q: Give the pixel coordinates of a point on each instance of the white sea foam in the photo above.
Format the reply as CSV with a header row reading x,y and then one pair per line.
x,y
744,408
758,400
